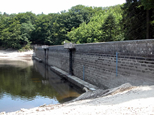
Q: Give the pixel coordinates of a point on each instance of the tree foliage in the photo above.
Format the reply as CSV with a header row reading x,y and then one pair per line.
x,y
10,32
80,24
108,28
15,30
135,19
101,26
148,4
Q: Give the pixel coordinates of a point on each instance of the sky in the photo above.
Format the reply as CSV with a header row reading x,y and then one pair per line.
x,y
50,6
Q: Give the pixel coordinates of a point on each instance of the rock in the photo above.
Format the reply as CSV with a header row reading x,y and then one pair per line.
x,y
121,88
23,110
2,113
85,89
43,105
101,93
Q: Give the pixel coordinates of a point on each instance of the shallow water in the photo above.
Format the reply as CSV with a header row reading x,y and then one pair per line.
x,y
26,86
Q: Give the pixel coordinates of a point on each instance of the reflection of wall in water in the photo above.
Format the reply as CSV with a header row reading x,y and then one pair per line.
x,y
61,86
40,68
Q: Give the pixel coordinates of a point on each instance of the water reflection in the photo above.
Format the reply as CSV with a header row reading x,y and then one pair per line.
x,y
24,86
65,90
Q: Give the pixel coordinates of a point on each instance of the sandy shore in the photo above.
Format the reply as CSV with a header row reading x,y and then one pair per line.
x,y
133,101
16,56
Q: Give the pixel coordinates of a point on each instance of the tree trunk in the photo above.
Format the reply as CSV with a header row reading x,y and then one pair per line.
x,y
148,25
148,19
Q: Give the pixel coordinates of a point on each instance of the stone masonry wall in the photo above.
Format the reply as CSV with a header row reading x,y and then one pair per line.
x,y
59,57
135,62
39,52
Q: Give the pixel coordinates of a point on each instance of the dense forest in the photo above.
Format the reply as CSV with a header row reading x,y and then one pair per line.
x,y
81,24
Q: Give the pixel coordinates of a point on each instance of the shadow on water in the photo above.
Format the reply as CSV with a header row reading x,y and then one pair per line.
x,y
26,86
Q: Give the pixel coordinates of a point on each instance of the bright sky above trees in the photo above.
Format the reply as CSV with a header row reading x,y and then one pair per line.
x,y
50,6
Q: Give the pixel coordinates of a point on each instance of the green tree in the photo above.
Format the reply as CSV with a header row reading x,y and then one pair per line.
x,y
26,31
149,7
148,4
10,32
95,31
138,19
26,17
108,29
42,29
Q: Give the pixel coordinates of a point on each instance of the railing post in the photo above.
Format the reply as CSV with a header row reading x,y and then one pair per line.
x,y
116,63
83,72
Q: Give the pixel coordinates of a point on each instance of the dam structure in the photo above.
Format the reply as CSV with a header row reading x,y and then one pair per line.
x,y
105,65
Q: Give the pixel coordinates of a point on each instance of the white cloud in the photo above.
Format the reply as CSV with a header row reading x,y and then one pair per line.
x,y
48,6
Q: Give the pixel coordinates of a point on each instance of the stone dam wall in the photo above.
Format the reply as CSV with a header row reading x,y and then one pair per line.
x,y
134,62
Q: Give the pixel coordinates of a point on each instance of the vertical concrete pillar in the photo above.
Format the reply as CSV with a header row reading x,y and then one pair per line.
x,y
70,47
70,62
45,53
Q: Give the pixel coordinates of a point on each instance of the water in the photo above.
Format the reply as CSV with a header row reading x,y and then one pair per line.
x,y
23,85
